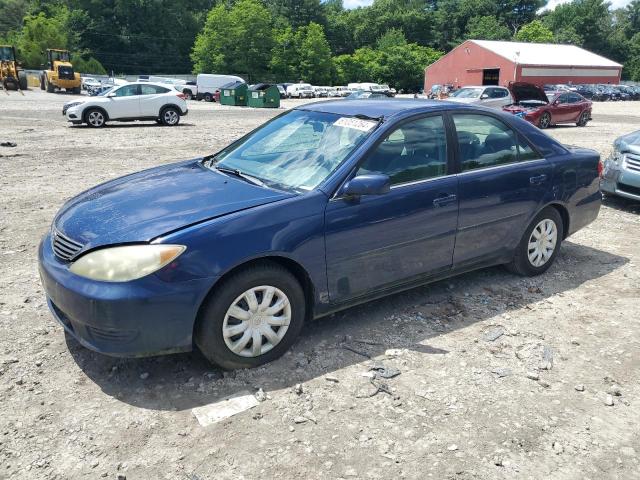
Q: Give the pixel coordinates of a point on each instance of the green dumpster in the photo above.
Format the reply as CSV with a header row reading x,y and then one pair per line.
x,y
263,95
234,93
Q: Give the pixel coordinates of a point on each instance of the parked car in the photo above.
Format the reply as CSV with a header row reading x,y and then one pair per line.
x,y
320,92
321,208
494,97
621,175
300,90
545,110
343,91
366,94
133,101
209,84
189,89
90,82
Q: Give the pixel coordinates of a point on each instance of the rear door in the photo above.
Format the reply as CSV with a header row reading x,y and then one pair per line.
x,y
385,240
152,99
502,182
497,97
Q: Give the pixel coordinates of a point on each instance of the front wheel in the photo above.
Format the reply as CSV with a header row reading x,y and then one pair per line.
x,y
95,118
252,318
545,120
539,245
583,119
170,116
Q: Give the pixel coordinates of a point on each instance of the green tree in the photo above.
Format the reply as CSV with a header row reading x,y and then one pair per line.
x,y
591,19
632,67
87,64
39,33
315,63
12,13
236,39
487,28
536,32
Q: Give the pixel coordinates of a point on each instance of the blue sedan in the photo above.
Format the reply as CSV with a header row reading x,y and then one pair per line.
x,y
325,206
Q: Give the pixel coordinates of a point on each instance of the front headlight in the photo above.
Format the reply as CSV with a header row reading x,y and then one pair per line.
x,y
122,264
71,105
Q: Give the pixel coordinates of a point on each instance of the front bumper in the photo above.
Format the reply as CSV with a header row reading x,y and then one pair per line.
x,y
73,114
622,178
144,317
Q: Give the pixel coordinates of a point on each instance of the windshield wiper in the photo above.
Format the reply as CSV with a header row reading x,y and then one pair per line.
x,y
237,173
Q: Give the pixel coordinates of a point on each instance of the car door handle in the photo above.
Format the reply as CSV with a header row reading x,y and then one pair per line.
x,y
537,180
444,200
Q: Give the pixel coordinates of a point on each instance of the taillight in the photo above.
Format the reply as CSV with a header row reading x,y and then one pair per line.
x,y
182,96
600,168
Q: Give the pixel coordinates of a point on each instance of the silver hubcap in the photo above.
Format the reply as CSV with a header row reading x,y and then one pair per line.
x,y
170,117
544,121
256,321
96,119
542,242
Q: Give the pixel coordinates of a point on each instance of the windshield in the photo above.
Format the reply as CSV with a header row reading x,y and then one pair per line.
x,y
102,94
57,55
296,151
467,93
6,53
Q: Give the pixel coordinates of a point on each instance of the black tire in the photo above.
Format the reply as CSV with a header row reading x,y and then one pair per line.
x,y
170,116
95,118
50,88
583,119
208,335
545,120
208,97
77,90
521,264
42,82
22,80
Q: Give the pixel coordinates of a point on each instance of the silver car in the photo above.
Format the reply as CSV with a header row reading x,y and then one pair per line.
x,y
621,175
495,97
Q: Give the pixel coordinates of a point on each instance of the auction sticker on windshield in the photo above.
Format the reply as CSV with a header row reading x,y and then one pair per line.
x,y
356,123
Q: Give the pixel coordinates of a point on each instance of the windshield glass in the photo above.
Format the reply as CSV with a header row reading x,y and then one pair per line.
x,y
57,55
297,150
467,93
6,53
102,94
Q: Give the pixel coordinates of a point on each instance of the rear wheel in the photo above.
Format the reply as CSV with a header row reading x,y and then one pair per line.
x,y
95,118
583,119
170,116
545,120
539,245
50,88
77,90
22,80
252,318
208,97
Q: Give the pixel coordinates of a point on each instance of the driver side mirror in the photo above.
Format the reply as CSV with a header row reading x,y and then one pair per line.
x,y
373,184
111,94
484,96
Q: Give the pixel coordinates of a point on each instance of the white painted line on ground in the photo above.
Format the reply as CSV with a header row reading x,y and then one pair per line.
x,y
225,408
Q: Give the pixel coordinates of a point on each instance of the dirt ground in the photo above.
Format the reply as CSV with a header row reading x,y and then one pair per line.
x,y
500,377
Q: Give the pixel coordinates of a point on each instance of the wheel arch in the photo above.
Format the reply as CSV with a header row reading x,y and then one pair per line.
x,y
94,107
170,105
292,266
564,214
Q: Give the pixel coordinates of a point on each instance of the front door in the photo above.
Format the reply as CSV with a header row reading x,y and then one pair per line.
x,y
502,182
125,103
380,241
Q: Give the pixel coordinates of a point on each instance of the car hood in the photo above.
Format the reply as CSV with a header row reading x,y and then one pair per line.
x,y
148,204
628,143
521,91
463,100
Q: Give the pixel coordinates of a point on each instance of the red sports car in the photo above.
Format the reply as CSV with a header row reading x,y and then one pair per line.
x,y
544,110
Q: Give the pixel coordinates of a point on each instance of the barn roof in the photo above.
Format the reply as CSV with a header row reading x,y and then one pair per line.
x,y
546,54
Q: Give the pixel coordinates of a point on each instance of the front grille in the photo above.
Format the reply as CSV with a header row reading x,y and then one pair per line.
x,y
632,162
66,73
64,247
623,187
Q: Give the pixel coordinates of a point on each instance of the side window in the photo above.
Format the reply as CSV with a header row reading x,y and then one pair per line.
x,y
152,89
484,141
525,152
417,150
564,98
127,91
501,93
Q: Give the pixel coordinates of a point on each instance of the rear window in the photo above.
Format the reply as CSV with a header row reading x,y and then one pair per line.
x,y
152,89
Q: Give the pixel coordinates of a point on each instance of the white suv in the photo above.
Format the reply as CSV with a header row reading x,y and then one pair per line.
x,y
492,96
125,103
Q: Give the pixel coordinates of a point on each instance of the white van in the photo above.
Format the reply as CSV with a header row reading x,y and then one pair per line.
x,y
300,90
342,91
208,84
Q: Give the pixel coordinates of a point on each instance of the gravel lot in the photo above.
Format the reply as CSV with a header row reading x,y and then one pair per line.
x,y
500,377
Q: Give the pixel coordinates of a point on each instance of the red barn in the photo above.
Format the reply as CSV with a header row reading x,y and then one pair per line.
x,y
488,62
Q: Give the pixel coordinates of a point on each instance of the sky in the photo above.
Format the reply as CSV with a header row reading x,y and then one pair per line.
x,y
551,5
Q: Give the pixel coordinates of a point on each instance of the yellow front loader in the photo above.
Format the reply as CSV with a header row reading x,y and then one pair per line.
x,y
59,73
12,76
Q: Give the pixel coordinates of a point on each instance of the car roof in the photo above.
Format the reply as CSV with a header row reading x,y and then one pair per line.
x,y
387,107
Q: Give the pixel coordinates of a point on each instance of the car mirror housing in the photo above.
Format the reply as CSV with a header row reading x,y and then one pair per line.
x,y
373,184
484,96
112,94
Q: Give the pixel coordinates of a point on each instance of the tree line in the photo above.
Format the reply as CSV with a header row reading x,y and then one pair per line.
x,y
390,41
